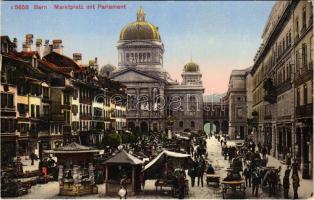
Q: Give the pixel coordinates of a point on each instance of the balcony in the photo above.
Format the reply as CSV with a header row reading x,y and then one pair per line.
x,y
57,117
267,117
304,111
86,101
84,116
305,75
66,106
8,109
98,118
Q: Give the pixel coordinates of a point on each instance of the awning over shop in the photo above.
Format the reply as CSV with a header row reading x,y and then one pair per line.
x,y
155,168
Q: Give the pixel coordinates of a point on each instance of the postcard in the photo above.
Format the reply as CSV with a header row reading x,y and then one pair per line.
x,y
156,99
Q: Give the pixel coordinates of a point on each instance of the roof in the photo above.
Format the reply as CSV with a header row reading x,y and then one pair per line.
x,y
191,67
140,29
30,71
124,158
73,148
61,60
52,67
28,54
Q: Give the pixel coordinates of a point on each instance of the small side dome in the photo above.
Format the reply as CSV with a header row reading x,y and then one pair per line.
x,y
191,67
106,70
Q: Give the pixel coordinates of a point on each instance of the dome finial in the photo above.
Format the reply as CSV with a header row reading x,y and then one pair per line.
x,y
141,15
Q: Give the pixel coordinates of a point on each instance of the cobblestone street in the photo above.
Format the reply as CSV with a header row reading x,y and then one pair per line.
x,y
220,165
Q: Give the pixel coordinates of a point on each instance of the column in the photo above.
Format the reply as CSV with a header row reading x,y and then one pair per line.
x,y
150,104
137,107
301,148
106,178
133,179
273,142
311,153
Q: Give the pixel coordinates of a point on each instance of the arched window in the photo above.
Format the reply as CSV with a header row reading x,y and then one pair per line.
x,y
148,57
181,124
192,124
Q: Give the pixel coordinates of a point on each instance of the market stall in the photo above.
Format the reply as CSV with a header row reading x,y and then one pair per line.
x,y
164,167
122,166
76,169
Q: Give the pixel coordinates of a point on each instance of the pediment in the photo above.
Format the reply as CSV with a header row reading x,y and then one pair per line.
x,y
133,76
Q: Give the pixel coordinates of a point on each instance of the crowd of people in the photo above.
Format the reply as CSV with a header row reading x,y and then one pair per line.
x,y
253,164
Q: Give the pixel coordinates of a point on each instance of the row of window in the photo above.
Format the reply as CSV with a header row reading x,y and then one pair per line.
x,y
304,95
138,57
192,124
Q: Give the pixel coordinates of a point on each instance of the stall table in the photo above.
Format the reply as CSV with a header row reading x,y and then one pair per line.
x,y
237,186
213,178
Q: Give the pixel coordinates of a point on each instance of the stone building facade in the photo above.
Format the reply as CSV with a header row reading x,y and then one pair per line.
x,y
282,83
237,99
153,96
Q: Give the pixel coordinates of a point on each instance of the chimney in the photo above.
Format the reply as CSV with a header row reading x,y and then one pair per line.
x,y
77,57
57,46
47,49
26,47
39,48
15,44
96,63
28,42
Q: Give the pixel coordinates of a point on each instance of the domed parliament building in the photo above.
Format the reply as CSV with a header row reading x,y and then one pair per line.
x,y
153,97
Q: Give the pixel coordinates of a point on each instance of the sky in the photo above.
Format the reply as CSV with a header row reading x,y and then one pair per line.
x,y
219,36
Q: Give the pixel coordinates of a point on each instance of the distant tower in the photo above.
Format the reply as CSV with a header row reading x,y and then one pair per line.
x,y
191,74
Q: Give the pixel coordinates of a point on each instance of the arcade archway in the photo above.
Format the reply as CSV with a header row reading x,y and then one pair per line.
x,y
209,128
144,128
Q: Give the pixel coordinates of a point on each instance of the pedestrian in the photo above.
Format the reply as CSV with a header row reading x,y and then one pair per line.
x,y
200,172
181,184
288,158
264,151
226,152
272,179
192,174
286,183
44,169
32,157
259,147
210,169
256,181
19,165
295,184
248,176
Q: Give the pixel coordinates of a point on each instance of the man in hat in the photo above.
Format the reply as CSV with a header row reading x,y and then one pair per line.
x,y
286,183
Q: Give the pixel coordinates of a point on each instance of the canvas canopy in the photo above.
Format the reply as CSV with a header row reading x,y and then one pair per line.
x,y
182,137
231,144
154,169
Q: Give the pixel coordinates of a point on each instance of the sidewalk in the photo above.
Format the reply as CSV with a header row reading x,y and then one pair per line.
x,y
306,185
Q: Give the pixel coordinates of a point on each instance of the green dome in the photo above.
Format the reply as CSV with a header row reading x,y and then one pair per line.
x,y
191,67
140,29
